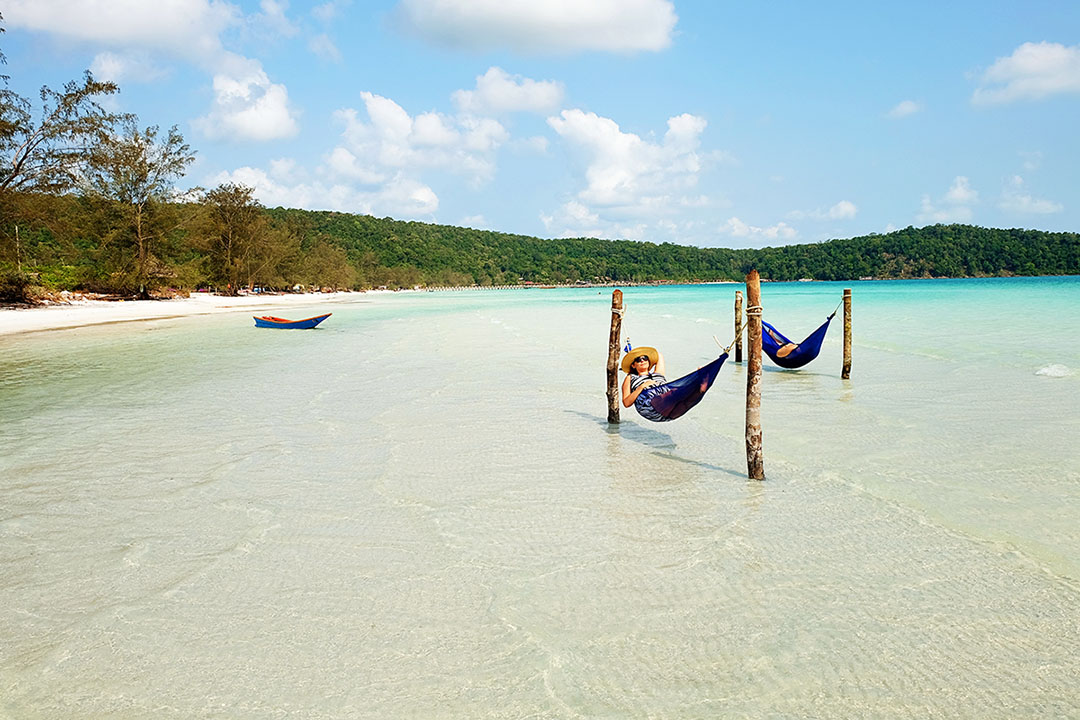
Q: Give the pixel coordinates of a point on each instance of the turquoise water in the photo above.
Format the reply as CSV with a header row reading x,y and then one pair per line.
x,y
419,510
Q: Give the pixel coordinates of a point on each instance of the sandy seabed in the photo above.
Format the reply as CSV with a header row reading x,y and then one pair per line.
x,y
79,313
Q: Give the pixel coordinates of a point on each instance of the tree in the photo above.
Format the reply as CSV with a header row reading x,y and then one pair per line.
x,y
236,223
48,155
135,171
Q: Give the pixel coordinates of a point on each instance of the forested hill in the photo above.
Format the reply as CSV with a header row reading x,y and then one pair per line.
x,y
228,241
440,254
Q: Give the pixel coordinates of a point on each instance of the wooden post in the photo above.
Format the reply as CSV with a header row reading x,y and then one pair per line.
x,y
738,326
613,357
755,461
846,372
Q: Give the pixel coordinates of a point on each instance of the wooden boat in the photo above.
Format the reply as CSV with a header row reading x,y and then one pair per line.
x,y
269,321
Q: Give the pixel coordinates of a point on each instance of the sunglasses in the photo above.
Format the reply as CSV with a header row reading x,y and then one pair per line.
x,y
639,358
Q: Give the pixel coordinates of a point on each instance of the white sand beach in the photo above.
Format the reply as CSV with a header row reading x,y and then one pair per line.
x,y
81,312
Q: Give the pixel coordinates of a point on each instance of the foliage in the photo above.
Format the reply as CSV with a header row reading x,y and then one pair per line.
x,y
132,174
84,243
235,227
48,155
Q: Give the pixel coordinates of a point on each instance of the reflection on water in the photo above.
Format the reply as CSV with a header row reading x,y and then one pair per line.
x,y
420,511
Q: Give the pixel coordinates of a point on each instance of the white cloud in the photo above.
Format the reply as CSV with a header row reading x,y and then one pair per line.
x,y
905,108
342,163
329,11
247,106
843,210
625,171
285,169
392,139
498,92
961,192
324,47
1015,199
549,26
630,182
955,206
399,197
135,66
475,221
1034,71
738,229
274,19
574,219
186,28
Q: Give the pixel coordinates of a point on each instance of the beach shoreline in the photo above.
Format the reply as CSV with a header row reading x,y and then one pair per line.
x,y
84,312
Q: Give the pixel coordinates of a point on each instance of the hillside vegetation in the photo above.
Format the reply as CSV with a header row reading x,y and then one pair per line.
x,y
69,242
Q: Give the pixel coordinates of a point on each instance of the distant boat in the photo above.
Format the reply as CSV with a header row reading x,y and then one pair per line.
x,y
268,321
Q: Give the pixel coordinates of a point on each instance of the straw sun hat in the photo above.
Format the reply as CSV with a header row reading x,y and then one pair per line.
x,y
637,352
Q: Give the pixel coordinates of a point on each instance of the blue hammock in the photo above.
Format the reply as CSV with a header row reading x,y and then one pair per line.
x,y
672,399
807,350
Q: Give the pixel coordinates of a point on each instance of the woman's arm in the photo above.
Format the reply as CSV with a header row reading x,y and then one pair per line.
x,y
659,367
628,397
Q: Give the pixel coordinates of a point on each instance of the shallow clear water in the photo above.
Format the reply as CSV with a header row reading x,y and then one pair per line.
x,y
419,510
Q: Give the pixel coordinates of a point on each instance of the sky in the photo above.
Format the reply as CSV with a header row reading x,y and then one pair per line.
x,y
698,122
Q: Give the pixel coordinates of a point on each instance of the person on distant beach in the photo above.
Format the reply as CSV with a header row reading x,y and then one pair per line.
x,y
786,348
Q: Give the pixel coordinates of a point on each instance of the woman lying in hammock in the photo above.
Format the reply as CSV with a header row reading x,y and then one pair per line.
x,y
656,399
786,348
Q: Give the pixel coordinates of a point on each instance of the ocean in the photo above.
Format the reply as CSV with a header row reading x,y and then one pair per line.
x,y
418,509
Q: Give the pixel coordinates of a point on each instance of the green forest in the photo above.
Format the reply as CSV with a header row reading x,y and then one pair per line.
x,y
91,201
227,242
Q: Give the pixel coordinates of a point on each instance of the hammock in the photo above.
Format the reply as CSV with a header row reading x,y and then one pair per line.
x,y
806,351
672,399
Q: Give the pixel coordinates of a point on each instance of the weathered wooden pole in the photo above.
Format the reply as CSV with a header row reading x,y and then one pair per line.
x,y
755,460
613,357
846,373
738,326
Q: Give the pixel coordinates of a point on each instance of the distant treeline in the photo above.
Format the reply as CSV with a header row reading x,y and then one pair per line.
x,y
440,254
70,242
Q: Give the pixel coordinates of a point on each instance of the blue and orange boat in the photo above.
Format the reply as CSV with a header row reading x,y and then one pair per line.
x,y
269,321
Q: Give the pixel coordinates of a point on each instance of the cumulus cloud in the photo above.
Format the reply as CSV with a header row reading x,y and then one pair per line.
x,y
843,210
324,47
954,206
1034,71
392,139
400,196
187,28
630,182
736,228
329,11
550,26
1015,199
499,92
274,19
248,106
905,108
961,192
135,66
626,171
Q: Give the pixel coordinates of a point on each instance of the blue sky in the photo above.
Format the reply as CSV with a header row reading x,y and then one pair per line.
x,y
707,123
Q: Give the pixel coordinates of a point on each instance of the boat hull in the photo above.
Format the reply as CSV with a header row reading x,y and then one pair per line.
x,y
269,321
